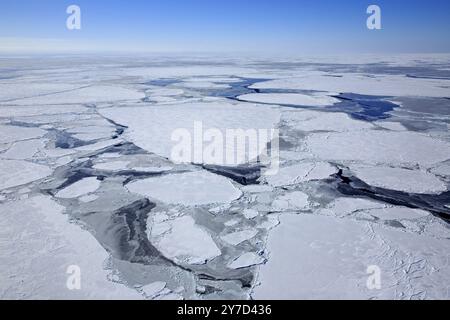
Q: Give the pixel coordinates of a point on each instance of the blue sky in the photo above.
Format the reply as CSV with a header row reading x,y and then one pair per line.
x,y
297,26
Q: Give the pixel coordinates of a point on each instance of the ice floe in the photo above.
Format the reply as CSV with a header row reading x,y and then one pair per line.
x,y
323,121
153,289
292,201
411,181
377,85
23,150
250,213
248,259
189,189
14,173
10,134
331,270
43,242
302,172
93,94
236,238
222,116
188,243
79,188
112,166
398,213
289,99
379,147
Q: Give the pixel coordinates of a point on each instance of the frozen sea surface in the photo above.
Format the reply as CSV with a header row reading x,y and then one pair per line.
x,y
87,180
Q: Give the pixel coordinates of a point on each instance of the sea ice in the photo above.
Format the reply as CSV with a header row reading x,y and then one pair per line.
x,y
248,259
442,170
189,189
23,150
411,181
250,213
319,257
153,289
376,85
157,138
10,134
292,201
93,94
379,147
14,173
187,242
302,172
342,207
398,213
39,244
112,166
290,99
323,121
79,188
236,238
88,198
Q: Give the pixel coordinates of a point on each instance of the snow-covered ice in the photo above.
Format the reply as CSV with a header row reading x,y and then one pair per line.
x,y
189,189
317,257
157,138
289,99
291,201
238,237
248,259
377,85
14,173
411,181
38,246
87,178
79,188
187,242
379,147
301,173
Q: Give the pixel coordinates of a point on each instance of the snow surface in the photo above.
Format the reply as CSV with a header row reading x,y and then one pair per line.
x,y
14,173
59,122
92,94
306,263
79,188
112,166
189,189
157,137
323,121
411,181
379,147
301,173
377,85
38,244
292,201
236,238
187,242
289,99
248,259
10,134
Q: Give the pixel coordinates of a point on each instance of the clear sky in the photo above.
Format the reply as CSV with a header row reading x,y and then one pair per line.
x,y
298,26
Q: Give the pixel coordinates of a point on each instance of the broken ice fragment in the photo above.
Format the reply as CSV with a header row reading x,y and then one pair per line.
x,y
188,243
153,289
250,213
291,201
248,259
79,188
301,173
238,237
